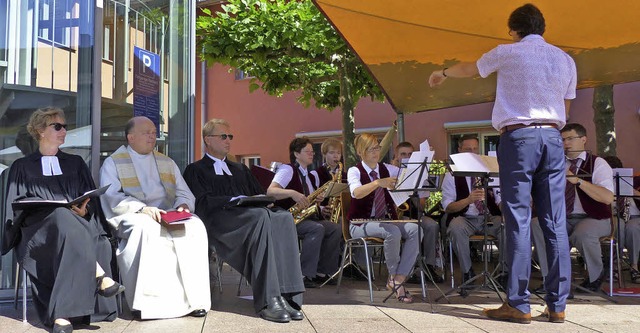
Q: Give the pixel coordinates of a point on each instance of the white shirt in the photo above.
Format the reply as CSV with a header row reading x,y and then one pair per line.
x,y
285,174
602,175
220,166
449,194
534,80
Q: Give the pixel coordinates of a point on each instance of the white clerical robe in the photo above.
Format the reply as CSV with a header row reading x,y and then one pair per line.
x,y
166,272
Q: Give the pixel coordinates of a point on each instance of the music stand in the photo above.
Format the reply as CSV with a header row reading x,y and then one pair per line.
x,y
488,281
415,199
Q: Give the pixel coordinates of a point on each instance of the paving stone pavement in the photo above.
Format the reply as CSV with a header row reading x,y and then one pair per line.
x,y
350,311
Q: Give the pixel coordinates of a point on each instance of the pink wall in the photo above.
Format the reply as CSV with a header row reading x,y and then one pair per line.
x,y
264,125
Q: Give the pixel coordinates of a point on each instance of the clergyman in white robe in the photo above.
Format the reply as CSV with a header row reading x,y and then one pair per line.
x,y
165,270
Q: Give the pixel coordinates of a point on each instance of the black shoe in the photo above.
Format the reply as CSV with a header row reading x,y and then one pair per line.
x,y
437,278
635,276
293,313
111,291
198,313
308,283
352,272
322,279
468,275
62,328
594,286
541,290
413,279
275,311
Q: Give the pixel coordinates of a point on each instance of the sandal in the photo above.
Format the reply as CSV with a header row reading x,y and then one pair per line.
x,y
635,276
402,293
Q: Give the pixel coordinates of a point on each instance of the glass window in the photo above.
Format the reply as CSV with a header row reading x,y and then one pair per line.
x,y
4,30
488,141
250,160
58,21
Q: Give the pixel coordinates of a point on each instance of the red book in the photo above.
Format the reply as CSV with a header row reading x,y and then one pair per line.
x,y
175,217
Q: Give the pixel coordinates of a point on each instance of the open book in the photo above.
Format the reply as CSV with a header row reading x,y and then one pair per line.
x,y
35,203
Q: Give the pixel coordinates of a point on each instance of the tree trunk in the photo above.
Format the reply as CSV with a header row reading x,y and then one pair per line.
x,y
603,118
348,120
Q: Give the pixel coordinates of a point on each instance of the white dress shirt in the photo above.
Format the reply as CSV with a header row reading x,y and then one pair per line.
x,y
602,175
449,193
285,174
534,80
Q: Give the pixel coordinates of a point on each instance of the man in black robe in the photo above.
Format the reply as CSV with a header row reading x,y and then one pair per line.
x,y
259,242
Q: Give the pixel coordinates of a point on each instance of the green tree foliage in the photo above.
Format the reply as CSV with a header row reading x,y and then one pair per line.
x,y
288,46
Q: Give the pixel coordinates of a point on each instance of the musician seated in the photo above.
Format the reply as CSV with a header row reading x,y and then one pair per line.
x,y
463,200
588,195
258,242
369,182
292,185
331,150
402,152
630,223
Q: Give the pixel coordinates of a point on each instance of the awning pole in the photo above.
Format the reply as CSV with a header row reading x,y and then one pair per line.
x,y
400,117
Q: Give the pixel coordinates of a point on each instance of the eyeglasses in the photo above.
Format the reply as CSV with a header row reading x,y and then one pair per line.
x,y
58,126
374,149
223,136
571,138
308,151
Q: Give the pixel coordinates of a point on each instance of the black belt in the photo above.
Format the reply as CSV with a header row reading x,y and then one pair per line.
x,y
514,127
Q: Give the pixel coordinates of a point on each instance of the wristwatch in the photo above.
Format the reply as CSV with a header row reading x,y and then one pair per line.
x,y
579,182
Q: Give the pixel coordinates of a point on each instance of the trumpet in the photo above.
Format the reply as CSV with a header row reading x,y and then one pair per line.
x,y
334,202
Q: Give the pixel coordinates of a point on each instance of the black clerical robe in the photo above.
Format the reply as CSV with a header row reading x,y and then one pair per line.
x,y
58,248
259,242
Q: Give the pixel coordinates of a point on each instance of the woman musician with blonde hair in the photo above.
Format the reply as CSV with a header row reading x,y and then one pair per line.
x,y
369,182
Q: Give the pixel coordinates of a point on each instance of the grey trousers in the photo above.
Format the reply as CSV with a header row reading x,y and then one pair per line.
x,y
631,235
463,227
584,234
430,230
320,252
393,233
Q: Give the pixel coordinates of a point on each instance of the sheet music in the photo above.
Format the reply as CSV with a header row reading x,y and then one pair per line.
x,y
470,162
408,176
626,181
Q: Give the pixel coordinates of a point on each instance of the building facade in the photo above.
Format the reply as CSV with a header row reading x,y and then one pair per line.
x,y
264,125
80,56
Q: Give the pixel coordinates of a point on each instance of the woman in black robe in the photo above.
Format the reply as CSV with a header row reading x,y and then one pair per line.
x,y
65,251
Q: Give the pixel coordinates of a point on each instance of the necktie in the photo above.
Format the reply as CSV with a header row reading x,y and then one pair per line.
x,y
305,187
478,203
379,204
570,190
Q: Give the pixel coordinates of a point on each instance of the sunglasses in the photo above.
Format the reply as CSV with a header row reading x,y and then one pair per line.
x,y
58,126
223,136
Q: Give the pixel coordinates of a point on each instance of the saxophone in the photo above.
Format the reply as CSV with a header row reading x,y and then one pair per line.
x,y
300,212
334,202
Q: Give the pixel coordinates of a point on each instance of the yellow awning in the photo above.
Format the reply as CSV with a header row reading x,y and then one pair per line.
x,y
403,41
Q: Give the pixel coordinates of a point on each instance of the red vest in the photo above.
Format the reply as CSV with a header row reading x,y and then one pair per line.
x,y
462,192
361,208
594,209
